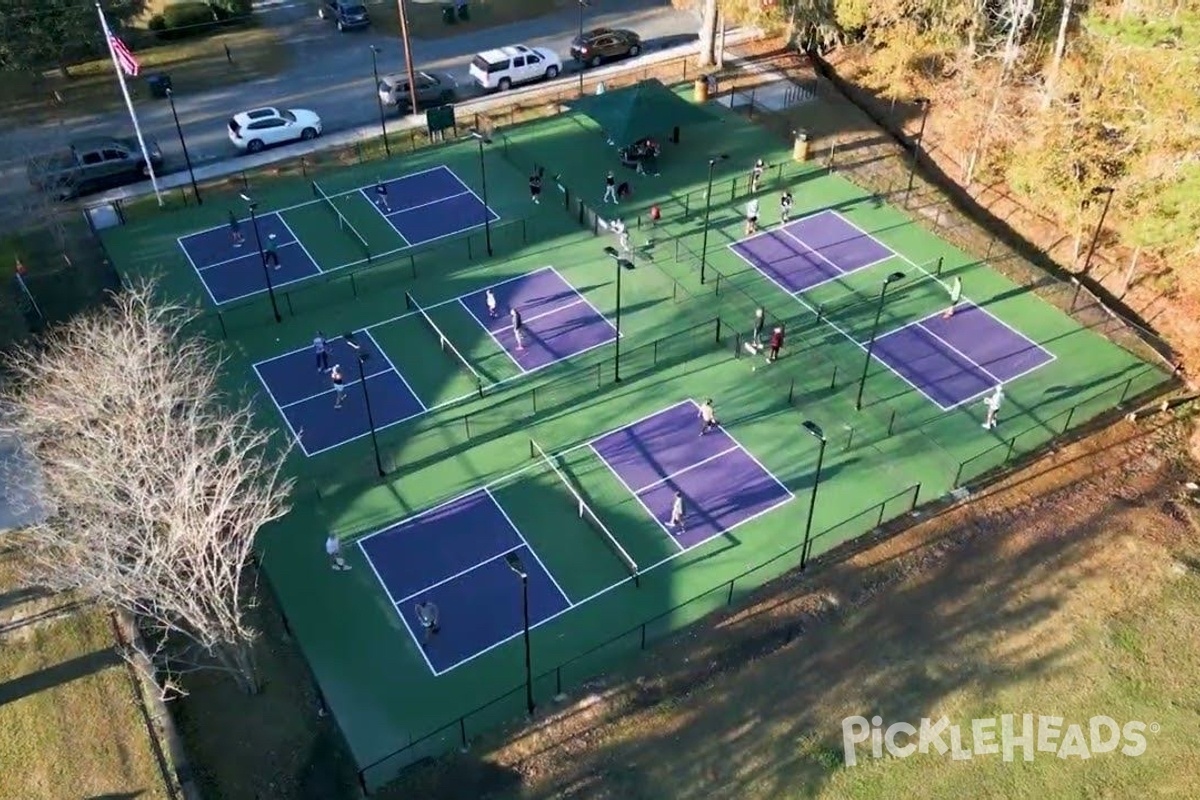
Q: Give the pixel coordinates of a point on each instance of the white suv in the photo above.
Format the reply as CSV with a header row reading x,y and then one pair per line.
x,y
503,68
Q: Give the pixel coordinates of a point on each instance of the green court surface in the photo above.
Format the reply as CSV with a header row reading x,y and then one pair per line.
x,y
681,340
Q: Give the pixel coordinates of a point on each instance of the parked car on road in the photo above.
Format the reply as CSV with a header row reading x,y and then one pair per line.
x,y
264,127
347,14
506,67
91,166
433,89
599,45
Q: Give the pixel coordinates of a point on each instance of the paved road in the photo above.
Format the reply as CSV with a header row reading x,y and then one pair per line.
x,y
331,74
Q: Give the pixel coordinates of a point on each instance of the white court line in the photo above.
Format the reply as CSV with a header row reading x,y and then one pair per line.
x,y
323,393
286,421
765,231
250,252
532,552
637,497
582,297
196,269
555,310
688,468
492,334
423,205
375,205
463,572
315,263
399,374
969,360
396,606
494,219
751,456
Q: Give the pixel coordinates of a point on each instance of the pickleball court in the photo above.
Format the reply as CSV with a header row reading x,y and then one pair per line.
x,y
422,207
454,555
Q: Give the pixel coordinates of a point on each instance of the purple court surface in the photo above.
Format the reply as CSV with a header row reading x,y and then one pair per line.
x,y
811,251
229,271
722,484
424,207
558,321
305,396
453,555
956,360
431,205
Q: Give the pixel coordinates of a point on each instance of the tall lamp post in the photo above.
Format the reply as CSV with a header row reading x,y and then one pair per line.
x,y
582,5
487,210
815,431
621,263
712,163
262,257
1099,190
862,382
408,57
183,144
361,357
514,563
387,148
924,103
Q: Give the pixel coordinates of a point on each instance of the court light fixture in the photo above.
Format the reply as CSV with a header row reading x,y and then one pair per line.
x,y
262,257
862,382
487,210
815,431
622,264
361,357
712,163
1096,192
514,563
387,148
924,104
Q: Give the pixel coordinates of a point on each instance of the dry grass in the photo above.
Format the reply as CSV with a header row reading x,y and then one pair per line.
x,y
72,725
194,65
425,16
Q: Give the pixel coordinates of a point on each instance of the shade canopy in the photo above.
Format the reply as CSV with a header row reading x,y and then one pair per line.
x,y
644,110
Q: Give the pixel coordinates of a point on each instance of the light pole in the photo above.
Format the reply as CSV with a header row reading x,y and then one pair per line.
x,y
487,212
621,264
262,257
514,563
712,163
582,5
1099,190
819,435
186,157
862,382
387,148
362,356
924,103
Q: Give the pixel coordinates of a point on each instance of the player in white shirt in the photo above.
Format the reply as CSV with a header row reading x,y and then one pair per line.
x,y
993,407
677,512
491,304
708,417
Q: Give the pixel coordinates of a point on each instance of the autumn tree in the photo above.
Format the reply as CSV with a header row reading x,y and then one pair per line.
x,y
155,482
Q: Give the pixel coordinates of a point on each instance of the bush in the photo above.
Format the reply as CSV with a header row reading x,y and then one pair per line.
x,y
183,15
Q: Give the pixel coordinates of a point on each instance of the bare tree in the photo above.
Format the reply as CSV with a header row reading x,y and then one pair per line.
x,y
155,483
1060,50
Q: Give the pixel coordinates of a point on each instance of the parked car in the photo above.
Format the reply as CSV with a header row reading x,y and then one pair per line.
x,y
347,14
91,166
264,127
433,89
598,45
506,67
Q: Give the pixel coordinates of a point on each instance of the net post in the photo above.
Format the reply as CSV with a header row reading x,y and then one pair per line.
x,y
408,301
718,326
353,286
479,388
792,392
467,425
940,261
833,380
532,452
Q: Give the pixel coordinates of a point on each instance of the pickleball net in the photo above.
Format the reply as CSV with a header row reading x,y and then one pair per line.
x,y
344,224
447,346
587,514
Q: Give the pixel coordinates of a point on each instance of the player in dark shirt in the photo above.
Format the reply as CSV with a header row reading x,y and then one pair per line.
x,y
535,187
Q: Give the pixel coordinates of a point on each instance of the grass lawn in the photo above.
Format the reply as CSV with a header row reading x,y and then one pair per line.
x,y
194,65
425,16
72,724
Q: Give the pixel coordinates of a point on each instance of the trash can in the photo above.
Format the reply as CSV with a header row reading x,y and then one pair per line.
x,y
700,93
159,84
448,15
801,146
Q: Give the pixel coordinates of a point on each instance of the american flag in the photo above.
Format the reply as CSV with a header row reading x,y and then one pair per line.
x,y
129,63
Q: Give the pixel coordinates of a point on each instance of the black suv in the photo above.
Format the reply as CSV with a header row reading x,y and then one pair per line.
x,y
604,44
91,166
347,14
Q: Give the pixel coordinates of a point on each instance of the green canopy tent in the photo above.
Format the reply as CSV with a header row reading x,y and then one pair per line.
x,y
644,110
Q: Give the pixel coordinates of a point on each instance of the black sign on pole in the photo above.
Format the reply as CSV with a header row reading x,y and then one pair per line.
x,y
439,119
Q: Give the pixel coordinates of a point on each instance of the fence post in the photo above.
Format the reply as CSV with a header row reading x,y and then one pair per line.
x,y
1125,392
558,681
833,380
939,266
1070,413
462,731
467,425
1012,443
891,422
533,398
729,600
412,266
643,647
353,286
718,321
228,54
958,474
221,319
882,509
791,391
916,494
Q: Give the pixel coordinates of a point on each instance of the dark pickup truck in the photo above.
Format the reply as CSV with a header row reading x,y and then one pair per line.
x,y
92,166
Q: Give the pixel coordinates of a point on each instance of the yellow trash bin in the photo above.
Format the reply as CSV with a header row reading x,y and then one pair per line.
x,y
801,146
700,93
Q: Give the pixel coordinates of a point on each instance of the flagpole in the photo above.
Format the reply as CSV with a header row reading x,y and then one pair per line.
x,y
137,129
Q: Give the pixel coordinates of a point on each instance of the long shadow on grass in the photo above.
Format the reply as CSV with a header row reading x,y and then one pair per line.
x,y
49,677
